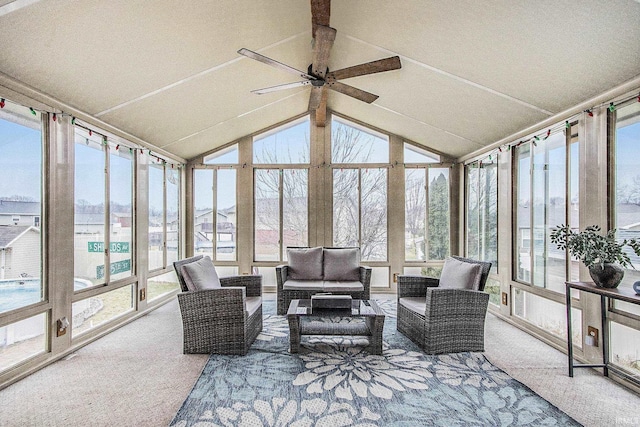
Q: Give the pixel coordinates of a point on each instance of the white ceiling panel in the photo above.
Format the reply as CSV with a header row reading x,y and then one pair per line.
x,y
168,72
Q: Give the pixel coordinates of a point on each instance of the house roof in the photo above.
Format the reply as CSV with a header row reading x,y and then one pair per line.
x,y
10,233
10,207
472,72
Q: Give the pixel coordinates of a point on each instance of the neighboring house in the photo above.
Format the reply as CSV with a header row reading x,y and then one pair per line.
x,y
19,254
20,213
225,229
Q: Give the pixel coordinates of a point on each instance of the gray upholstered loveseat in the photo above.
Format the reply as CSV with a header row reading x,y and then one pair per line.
x,y
313,270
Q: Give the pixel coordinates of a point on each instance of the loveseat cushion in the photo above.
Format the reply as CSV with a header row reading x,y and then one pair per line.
x,y
458,274
342,286
303,285
305,263
342,264
200,275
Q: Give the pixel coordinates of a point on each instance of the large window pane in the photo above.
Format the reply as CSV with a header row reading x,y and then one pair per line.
x,y
413,154
158,286
226,223
89,196
22,340
547,315
92,312
373,244
227,156
267,215
625,347
627,179
20,207
346,217
415,214
287,144
156,216
173,217
438,231
121,195
294,208
523,214
203,216
351,143
482,211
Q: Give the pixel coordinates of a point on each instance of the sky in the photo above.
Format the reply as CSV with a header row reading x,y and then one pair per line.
x,y
20,160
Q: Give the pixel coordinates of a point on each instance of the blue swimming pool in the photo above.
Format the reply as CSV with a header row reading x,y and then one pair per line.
x,y
16,293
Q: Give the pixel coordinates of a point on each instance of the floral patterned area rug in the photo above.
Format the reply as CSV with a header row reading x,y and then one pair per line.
x,y
334,382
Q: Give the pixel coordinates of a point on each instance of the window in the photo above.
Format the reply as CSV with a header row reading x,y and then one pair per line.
x,y
627,182
625,351
217,224
360,211
351,143
426,214
281,193
226,156
482,211
413,154
89,313
359,190
99,167
21,284
287,144
164,222
547,315
546,195
281,212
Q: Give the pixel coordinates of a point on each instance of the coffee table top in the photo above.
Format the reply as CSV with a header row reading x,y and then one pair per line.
x,y
359,308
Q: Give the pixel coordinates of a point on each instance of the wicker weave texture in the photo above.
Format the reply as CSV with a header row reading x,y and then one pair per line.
x,y
215,320
286,296
453,320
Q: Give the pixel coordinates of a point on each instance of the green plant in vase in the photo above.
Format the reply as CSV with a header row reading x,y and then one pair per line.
x,y
602,254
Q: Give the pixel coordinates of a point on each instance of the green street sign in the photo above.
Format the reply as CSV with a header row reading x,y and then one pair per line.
x,y
116,267
115,247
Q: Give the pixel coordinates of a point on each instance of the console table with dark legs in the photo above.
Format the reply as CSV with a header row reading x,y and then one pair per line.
x,y
621,294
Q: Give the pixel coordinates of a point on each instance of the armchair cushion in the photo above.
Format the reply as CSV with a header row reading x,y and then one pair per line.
x,y
458,274
342,264
252,304
415,304
305,263
200,275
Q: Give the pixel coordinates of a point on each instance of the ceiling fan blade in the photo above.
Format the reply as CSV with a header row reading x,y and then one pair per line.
x,y
315,97
379,66
353,92
325,36
320,14
265,60
281,87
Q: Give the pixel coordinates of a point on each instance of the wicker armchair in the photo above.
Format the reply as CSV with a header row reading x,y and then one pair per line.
x,y
225,320
443,320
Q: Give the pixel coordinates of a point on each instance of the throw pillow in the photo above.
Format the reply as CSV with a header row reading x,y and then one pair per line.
x,y
458,274
200,275
305,263
342,264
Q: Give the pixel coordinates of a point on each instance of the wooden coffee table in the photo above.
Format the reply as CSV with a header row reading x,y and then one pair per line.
x,y
305,321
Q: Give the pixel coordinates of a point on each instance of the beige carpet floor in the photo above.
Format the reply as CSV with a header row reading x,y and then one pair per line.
x,y
138,376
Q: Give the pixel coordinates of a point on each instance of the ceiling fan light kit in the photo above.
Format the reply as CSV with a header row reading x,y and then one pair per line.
x,y
318,75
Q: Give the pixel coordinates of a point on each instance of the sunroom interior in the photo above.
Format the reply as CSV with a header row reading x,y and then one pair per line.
x,y
129,138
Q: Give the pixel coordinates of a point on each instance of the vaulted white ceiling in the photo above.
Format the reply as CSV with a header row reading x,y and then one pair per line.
x,y
473,72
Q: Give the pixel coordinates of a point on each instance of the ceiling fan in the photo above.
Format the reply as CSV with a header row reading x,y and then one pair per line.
x,y
318,75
